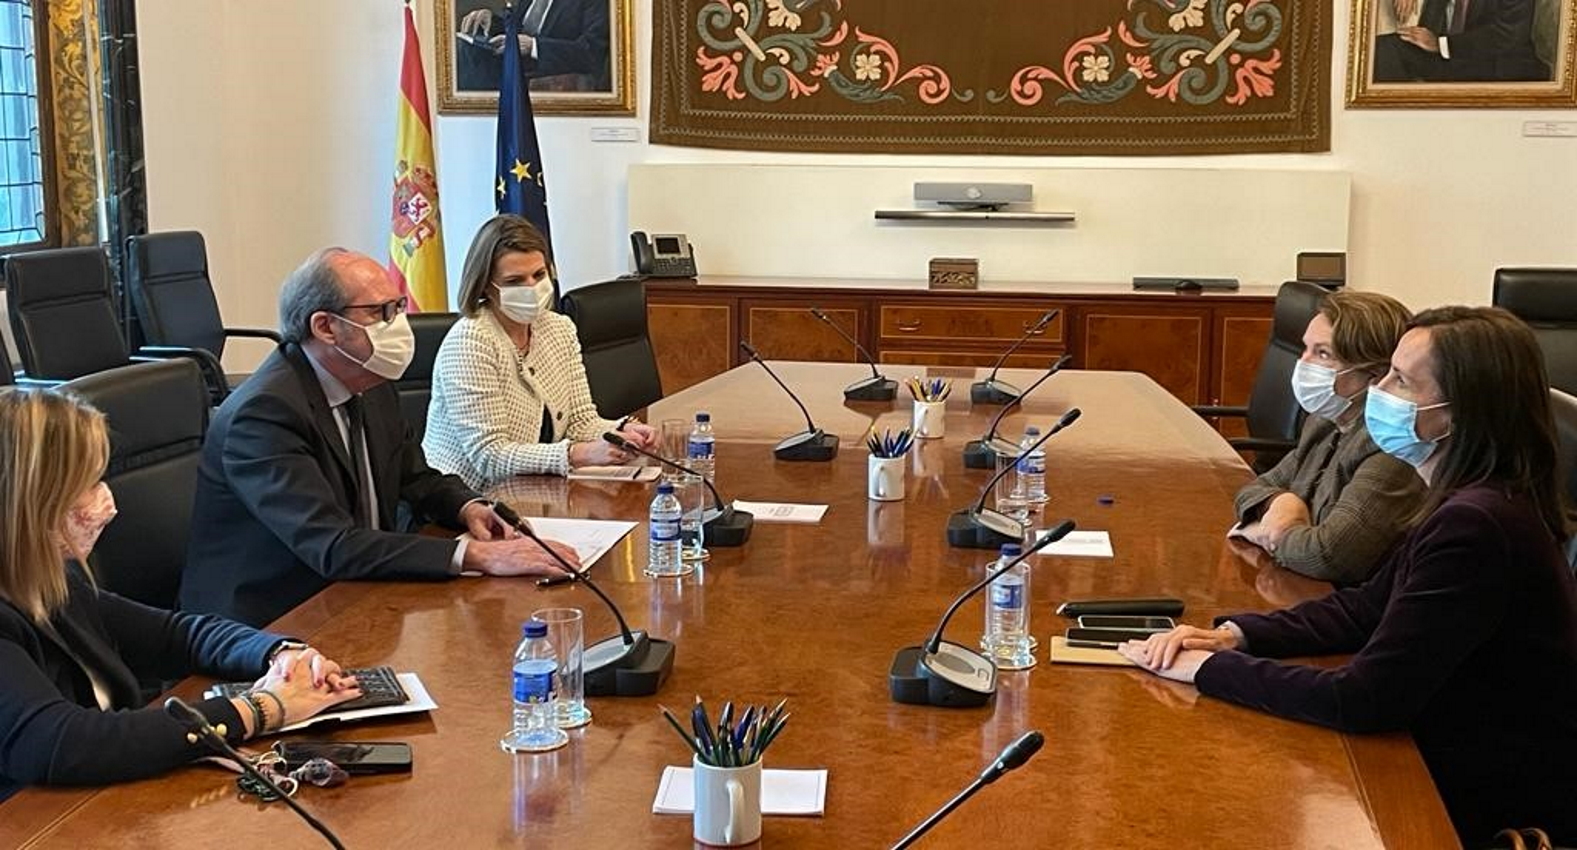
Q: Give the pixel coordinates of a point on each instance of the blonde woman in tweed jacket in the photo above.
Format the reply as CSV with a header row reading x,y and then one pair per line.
x,y
509,392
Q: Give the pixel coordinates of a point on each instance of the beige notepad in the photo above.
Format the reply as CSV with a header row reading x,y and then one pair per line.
x,y
1061,653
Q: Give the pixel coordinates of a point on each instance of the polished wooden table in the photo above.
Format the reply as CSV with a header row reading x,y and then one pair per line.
x,y
815,613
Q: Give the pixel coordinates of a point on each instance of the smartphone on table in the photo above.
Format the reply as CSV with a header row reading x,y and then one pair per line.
x,y
357,758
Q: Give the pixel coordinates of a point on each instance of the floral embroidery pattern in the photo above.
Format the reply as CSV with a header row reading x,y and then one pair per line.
x,y
1194,52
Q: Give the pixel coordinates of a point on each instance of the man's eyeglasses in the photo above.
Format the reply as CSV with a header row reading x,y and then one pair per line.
x,y
387,310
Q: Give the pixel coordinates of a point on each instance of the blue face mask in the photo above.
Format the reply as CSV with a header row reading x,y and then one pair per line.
x,y
1393,425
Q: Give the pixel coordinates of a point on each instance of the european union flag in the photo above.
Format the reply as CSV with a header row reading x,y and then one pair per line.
x,y
518,186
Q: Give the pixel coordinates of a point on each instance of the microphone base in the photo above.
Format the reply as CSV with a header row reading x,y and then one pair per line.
x,y
637,671
912,682
814,446
993,391
875,388
728,529
983,454
966,531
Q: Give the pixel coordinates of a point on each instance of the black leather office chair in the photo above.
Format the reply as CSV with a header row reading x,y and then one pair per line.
x,y
621,367
1563,408
64,319
157,414
7,372
415,387
1273,414
1547,300
167,275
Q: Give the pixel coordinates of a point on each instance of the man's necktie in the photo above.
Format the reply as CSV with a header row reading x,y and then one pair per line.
x,y
1458,17
535,16
355,422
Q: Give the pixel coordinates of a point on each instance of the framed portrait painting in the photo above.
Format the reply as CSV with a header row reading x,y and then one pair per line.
x,y
1462,53
576,53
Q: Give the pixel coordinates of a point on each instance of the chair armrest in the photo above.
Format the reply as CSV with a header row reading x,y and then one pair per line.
x,y
1260,444
255,333
213,373
1209,410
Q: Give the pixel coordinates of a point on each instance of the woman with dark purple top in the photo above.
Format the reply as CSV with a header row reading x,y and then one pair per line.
x,y
1467,635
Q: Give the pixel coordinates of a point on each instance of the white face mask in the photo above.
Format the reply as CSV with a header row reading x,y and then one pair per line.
x,y
393,347
86,520
524,303
1315,388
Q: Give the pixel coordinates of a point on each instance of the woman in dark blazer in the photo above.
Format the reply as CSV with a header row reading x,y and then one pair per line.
x,y
1467,635
71,654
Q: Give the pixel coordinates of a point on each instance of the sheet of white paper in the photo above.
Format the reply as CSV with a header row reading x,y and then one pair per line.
x,y
1080,544
419,700
615,473
781,511
590,538
800,793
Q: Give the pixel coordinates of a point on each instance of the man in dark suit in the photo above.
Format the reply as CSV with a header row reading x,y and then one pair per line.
x,y
562,39
1463,41
306,464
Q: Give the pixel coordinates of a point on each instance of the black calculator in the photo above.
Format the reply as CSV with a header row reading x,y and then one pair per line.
x,y
379,687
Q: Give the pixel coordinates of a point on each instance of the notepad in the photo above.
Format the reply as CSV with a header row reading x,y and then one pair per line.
x,y
1061,653
615,473
1080,544
781,511
794,793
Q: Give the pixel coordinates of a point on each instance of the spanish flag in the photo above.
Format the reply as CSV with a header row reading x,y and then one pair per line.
x,y
416,240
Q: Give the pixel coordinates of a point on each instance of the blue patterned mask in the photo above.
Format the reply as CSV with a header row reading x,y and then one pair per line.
x,y
1393,425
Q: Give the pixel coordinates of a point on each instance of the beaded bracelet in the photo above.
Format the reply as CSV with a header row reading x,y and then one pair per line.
x,y
278,702
258,719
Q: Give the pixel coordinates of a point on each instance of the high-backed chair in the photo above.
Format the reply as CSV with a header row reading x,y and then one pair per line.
x,y
173,294
64,319
157,414
621,367
415,387
1563,408
1547,300
1273,414
7,373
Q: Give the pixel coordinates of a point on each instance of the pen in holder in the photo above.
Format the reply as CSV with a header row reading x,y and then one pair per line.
x,y
930,406
885,477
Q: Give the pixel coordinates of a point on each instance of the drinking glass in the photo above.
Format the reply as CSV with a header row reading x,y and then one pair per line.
x,y
566,631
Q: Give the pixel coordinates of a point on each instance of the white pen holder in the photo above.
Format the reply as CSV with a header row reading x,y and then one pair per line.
x,y
885,478
930,419
727,804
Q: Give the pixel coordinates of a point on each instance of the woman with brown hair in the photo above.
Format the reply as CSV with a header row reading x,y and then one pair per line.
x,y
1467,635
71,654
1335,503
509,389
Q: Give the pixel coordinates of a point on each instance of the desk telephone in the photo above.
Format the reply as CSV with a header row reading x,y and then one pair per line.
x,y
663,255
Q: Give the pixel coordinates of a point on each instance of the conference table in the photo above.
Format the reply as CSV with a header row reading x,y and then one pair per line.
x,y
815,613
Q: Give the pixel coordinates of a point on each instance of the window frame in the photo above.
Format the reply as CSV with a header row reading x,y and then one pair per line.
x,y
42,66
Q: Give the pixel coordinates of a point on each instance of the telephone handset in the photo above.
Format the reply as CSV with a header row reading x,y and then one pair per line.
x,y
663,255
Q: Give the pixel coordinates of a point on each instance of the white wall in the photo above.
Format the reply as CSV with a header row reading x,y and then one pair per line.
x,y
269,126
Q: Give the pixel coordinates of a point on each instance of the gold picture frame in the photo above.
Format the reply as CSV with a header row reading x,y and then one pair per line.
x,y
591,88
1488,69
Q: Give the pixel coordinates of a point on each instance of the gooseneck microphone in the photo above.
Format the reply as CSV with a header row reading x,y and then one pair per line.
x,y
812,444
1013,757
943,673
199,729
877,387
993,391
979,527
630,664
982,453
723,525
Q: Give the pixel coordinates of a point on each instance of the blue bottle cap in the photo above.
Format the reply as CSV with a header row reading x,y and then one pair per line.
x,y
665,487
535,629
1012,550
703,416
1031,431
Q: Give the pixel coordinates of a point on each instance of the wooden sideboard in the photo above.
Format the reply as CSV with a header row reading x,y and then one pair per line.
x,y
1203,348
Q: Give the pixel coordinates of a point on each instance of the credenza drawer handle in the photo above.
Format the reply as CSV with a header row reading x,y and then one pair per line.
x,y
909,327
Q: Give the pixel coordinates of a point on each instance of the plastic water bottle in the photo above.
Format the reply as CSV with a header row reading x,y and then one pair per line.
x,y
1032,469
535,727
702,446
663,534
1006,640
